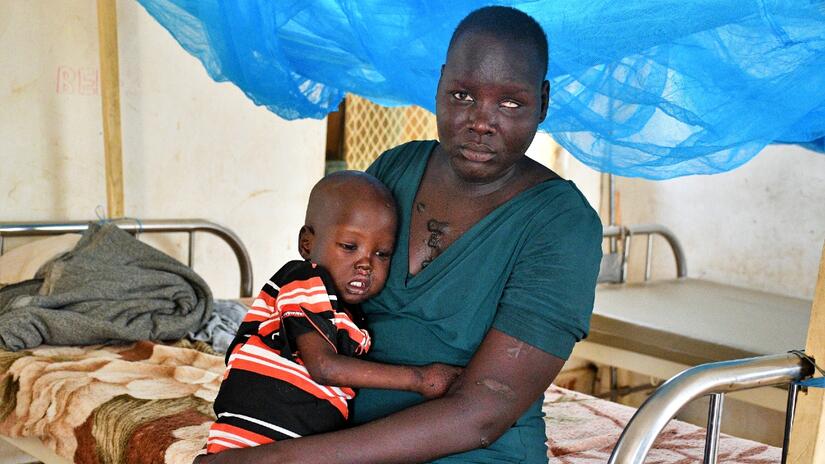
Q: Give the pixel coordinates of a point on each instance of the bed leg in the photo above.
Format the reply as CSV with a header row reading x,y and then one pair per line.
x,y
717,401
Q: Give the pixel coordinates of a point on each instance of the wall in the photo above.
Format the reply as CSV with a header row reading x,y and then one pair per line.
x,y
761,226
191,147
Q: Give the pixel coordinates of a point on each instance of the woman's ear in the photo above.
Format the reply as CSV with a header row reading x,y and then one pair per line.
x,y
305,239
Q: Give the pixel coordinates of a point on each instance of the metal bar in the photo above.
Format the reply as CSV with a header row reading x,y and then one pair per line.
x,y
717,401
146,226
191,250
611,208
649,257
625,256
614,384
2,244
664,232
719,377
793,390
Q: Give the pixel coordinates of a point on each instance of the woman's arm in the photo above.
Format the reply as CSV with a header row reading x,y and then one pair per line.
x,y
327,367
503,378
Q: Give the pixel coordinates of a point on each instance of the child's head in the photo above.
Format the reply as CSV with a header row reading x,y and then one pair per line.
x,y
349,230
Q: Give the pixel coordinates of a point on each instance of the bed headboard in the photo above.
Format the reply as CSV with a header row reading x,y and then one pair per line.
x,y
148,226
615,261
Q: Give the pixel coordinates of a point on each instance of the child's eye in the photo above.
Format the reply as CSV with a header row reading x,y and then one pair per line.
x,y
462,96
510,104
383,254
348,246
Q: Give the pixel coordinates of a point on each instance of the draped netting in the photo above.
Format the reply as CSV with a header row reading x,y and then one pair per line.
x,y
638,88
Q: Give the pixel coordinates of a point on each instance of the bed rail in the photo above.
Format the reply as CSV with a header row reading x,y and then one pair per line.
x,y
136,227
713,379
615,262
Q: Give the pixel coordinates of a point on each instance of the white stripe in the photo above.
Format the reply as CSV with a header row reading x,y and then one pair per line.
x,y
223,443
260,303
231,436
345,321
260,352
280,368
305,291
272,284
261,423
266,323
258,313
333,297
298,299
293,314
286,366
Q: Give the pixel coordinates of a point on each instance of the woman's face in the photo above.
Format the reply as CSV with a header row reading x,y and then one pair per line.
x,y
491,97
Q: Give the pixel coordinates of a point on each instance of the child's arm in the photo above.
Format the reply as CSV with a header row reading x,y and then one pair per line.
x,y
329,368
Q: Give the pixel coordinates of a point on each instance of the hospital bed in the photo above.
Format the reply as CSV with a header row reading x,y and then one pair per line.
x,y
660,327
150,401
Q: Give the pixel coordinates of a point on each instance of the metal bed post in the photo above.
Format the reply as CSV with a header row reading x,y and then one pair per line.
x,y
714,425
790,411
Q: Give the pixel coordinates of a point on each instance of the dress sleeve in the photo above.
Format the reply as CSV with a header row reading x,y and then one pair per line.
x,y
548,298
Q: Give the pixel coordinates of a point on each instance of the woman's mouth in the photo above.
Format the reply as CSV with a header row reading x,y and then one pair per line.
x,y
476,155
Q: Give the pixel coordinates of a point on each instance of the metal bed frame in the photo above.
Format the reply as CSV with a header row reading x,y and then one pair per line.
x,y
137,227
714,379
624,234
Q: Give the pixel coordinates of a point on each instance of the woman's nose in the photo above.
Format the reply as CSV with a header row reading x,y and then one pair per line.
x,y
482,119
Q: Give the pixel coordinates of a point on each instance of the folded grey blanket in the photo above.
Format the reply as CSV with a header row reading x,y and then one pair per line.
x,y
110,287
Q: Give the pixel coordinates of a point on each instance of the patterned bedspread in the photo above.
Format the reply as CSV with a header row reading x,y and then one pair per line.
x,y
151,403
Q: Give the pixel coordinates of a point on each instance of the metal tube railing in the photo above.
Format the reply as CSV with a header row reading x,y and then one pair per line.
x,y
148,226
670,237
712,378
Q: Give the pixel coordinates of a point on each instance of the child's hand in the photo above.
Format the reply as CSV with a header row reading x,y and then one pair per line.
x,y
436,379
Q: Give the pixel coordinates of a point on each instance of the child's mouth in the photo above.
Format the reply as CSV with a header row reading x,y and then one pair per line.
x,y
358,286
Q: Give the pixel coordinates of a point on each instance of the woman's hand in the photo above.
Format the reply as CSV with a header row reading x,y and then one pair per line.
x,y
436,379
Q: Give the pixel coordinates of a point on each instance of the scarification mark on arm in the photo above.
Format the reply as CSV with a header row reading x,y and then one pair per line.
x,y
518,348
499,388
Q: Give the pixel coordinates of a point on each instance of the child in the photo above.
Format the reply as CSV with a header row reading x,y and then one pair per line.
x,y
290,369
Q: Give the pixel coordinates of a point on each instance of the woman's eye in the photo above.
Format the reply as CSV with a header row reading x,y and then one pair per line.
x,y
462,96
510,104
348,246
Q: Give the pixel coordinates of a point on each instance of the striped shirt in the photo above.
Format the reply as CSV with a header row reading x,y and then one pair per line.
x,y
267,394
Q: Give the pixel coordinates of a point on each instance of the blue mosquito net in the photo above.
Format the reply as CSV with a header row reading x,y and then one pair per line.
x,y
654,89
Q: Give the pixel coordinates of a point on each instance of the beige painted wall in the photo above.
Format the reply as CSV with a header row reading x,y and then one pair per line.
x,y
191,147
760,226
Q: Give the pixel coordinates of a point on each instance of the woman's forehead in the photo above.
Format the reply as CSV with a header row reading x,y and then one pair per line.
x,y
485,57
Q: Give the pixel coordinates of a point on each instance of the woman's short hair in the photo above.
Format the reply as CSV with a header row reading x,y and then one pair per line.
x,y
506,23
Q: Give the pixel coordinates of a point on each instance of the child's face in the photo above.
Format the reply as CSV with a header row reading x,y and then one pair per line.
x,y
356,250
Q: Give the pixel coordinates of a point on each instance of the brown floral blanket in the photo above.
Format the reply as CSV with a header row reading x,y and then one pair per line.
x,y
152,403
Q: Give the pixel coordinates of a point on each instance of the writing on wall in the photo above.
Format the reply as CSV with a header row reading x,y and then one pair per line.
x,y
78,81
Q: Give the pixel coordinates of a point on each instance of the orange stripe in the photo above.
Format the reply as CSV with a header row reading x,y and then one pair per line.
x,y
302,284
243,433
299,381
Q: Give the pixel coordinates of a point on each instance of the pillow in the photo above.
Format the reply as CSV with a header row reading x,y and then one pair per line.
x,y
21,263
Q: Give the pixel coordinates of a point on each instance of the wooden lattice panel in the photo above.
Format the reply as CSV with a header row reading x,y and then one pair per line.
x,y
369,129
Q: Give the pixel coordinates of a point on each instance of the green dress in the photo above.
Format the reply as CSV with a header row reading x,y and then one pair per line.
x,y
527,269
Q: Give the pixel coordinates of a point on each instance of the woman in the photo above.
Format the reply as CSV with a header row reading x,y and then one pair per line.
x,y
495,268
